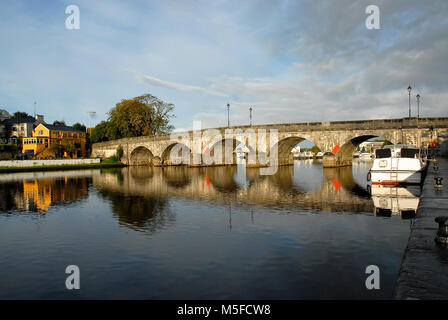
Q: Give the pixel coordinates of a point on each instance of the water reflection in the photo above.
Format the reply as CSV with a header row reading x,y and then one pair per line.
x,y
396,200
139,195
40,194
139,212
305,186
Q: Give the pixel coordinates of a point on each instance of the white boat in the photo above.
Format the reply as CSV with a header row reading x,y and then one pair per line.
x,y
319,155
296,152
365,156
308,155
397,164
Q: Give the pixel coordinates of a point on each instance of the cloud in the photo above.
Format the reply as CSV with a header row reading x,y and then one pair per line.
x,y
175,86
291,61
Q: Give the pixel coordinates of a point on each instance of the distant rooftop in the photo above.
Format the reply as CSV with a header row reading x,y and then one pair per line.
x,y
20,120
61,128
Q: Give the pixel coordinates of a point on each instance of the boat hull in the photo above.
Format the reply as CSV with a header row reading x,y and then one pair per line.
x,y
396,178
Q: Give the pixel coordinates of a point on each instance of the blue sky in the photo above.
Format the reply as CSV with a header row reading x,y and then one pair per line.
x,y
291,61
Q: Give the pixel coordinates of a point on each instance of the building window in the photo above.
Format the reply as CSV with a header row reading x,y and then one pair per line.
x,y
41,132
14,129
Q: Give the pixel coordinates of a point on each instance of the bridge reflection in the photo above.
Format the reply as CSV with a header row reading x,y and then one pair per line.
x,y
304,185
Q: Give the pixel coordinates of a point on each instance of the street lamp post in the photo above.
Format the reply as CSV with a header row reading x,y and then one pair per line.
x,y
418,105
418,118
250,115
228,115
409,93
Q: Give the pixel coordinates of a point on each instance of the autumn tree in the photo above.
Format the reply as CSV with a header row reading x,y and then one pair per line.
x,y
139,116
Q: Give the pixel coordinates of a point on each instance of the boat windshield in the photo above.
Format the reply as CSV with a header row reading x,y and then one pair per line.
x,y
397,153
383,153
409,153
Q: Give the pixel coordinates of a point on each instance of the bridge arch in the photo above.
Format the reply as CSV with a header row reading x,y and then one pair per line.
x,y
176,154
285,146
209,151
345,153
141,156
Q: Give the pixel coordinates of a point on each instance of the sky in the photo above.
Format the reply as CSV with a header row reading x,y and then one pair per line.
x,y
291,61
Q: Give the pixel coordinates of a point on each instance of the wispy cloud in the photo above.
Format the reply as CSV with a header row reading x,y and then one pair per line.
x,y
175,86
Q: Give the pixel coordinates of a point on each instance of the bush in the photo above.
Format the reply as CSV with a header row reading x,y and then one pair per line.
x,y
8,147
119,152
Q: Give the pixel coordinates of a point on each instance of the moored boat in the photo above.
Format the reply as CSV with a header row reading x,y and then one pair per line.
x,y
397,164
365,156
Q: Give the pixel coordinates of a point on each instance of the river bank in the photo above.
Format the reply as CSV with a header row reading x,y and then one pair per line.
x,y
61,166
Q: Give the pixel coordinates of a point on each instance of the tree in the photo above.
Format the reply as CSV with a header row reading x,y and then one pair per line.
x,y
54,148
99,133
69,147
144,115
59,123
19,114
315,149
79,126
119,152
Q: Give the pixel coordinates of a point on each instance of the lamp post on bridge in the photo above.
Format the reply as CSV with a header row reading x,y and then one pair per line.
x,y
228,115
418,105
250,115
418,118
409,93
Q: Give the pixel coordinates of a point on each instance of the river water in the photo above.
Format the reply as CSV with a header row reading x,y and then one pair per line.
x,y
201,233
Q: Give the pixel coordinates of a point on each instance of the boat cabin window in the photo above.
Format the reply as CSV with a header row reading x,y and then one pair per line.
x,y
383,153
408,153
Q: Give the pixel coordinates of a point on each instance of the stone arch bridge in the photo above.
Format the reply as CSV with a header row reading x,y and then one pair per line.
x,y
337,140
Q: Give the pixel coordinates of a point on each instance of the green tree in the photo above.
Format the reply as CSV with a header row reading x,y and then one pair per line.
x,y
59,123
315,149
79,126
55,148
99,133
19,114
69,147
144,115
119,152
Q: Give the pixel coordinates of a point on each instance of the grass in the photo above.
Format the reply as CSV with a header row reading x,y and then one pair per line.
x,y
103,164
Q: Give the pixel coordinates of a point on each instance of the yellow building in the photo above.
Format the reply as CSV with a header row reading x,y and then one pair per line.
x,y
46,135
